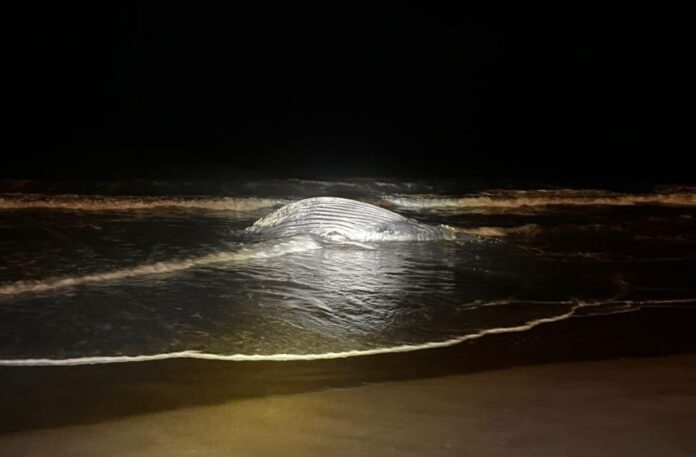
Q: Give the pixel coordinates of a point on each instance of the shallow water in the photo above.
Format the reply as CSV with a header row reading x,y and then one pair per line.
x,y
101,272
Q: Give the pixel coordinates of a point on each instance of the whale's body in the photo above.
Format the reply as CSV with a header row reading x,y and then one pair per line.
x,y
341,219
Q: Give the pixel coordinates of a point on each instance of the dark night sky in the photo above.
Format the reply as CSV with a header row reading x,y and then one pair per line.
x,y
198,91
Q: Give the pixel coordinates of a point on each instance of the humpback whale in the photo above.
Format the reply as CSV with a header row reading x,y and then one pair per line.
x,y
341,219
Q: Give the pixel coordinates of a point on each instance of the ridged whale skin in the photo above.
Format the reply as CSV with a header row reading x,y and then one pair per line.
x,y
341,219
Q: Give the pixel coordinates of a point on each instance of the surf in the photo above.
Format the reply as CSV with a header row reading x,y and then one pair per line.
x,y
98,203
257,251
516,199
296,227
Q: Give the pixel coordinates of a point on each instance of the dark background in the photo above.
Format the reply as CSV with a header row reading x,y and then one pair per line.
x,y
159,90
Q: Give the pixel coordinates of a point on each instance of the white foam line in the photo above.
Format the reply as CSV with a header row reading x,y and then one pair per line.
x,y
262,250
292,357
657,301
543,198
483,304
609,313
106,203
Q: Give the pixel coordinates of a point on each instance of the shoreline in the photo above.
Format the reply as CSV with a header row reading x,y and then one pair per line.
x,y
46,397
195,355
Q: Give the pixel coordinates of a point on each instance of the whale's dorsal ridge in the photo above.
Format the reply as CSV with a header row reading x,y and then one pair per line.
x,y
341,218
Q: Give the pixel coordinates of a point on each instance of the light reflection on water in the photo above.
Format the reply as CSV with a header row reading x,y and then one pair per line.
x,y
336,298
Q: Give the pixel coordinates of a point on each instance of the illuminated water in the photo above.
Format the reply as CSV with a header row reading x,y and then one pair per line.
x,y
95,272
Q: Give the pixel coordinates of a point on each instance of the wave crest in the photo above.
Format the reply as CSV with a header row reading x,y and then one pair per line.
x,y
541,198
107,203
257,251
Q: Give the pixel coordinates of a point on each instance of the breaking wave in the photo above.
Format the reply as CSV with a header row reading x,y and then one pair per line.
x,y
496,232
503,199
107,203
541,198
257,251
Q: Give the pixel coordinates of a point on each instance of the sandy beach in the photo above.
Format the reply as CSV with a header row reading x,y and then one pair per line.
x,y
631,390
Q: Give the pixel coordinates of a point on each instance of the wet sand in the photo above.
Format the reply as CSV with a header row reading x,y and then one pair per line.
x,y
612,385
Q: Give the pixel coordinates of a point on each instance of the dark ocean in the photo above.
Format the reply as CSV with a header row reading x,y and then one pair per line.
x,y
142,270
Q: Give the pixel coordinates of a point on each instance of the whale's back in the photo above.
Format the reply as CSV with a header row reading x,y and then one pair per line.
x,y
343,219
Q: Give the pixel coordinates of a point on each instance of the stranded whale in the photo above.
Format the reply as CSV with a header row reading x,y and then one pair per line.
x,y
341,219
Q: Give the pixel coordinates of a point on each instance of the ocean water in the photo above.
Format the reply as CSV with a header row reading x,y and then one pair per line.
x,y
108,272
